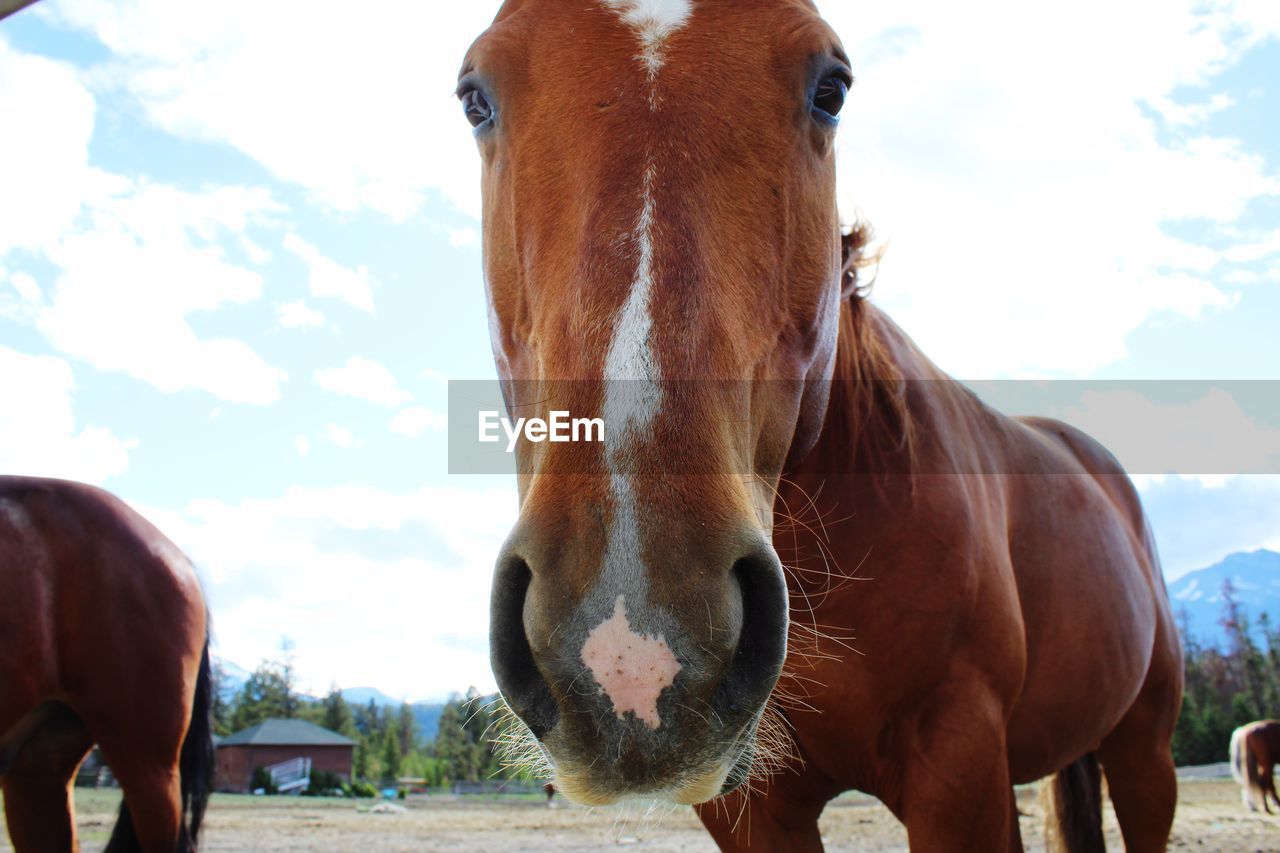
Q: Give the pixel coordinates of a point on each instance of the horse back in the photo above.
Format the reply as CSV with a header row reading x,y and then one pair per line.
x,y
94,594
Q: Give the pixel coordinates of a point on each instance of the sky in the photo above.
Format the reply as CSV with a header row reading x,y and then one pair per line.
x,y
240,260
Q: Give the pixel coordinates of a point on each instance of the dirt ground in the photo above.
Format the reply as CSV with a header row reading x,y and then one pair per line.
x,y
1210,817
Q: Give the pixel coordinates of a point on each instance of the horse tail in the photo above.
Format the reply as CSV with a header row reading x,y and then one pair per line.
x,y
1252,772
196,764
1237,755
1077,804
195,771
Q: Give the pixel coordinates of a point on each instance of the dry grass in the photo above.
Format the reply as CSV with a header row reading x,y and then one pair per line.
x,y
1210,817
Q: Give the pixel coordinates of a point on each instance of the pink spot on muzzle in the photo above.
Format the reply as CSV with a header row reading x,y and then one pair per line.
x,y
632,669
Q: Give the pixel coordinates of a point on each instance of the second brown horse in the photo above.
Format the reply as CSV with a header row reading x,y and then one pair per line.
x,y
103,639
1255,751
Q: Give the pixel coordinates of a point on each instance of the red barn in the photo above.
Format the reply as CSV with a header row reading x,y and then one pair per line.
x,y
274,741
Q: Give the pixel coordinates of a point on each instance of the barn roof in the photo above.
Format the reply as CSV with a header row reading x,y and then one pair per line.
x,y
277,732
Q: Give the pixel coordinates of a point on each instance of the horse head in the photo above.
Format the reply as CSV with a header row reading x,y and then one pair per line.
x,y
662,248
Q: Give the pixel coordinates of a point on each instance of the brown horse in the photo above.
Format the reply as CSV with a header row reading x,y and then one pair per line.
x,y
1255,751
102,640
662,248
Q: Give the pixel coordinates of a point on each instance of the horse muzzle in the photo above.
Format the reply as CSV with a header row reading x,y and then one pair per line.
x,y
642,688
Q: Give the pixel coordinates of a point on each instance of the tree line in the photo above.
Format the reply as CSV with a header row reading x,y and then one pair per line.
x,y
1226,686
389,743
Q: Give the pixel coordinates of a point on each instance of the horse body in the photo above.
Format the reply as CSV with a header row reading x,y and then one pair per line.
x,y
1008,618
661,237
105,642
1255,750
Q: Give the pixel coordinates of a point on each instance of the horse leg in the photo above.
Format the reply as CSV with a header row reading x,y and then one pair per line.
x,y
1267,784
151,817
1015,827
1139,768
1246,796
762,821
143,753
956,792
37,786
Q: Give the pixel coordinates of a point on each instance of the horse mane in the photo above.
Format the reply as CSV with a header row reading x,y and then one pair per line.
x,y
869,392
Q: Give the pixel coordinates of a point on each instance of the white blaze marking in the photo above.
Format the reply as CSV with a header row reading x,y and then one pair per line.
x,y
632,398
653,21
631,372
632,393
632,669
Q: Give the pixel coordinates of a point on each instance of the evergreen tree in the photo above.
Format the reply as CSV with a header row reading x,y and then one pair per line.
x,y
391,754
1225,689
220,711
271,691
360,760
454,746
337,715
407,729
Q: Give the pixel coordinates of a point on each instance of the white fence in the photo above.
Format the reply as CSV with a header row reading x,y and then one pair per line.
x,y
291,775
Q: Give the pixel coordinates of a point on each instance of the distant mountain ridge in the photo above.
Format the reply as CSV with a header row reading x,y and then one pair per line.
x,y
427,714
362,695
1256,578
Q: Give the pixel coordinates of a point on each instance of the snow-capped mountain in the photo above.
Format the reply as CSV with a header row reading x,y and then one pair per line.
x,y
1256,578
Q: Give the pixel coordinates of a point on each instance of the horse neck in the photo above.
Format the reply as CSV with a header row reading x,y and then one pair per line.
x,y
867,441
870,418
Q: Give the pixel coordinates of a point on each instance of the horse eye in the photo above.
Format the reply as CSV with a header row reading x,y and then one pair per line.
x,y
476,107
828,98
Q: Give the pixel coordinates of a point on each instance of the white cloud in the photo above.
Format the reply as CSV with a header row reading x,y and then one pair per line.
x,y
361,558
1256,251
255,252
363,378
26,287
134,258
464,238
436,376
20,296
415,420
330,279
1191,114
340,436
38,430
1022,184
299,315
302,444
146,260
374,130
48,119
1023,181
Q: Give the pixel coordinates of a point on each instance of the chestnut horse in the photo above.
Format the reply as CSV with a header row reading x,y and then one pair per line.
x,y
662,248
1255,751
102,640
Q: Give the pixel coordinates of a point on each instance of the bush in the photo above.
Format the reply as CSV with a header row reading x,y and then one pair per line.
x,y
324,783
261,779
363,789
400,795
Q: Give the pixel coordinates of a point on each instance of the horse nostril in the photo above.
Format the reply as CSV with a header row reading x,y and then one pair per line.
x,y
762,643
517,674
